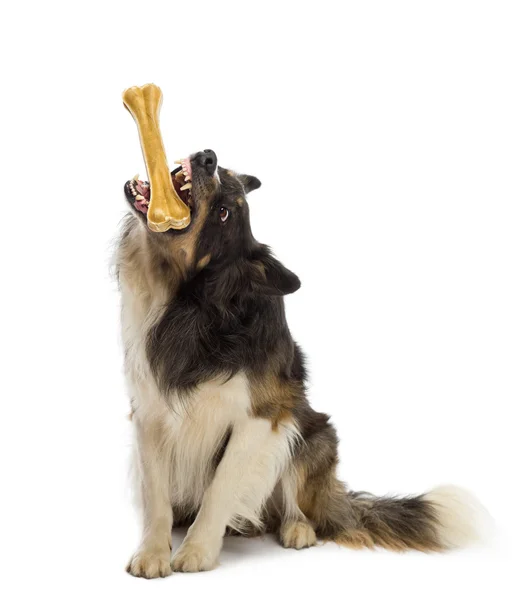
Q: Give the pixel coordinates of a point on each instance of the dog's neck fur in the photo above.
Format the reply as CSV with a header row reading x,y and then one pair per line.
x,y
176,311
146,267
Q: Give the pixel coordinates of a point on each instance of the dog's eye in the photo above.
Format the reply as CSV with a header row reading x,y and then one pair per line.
x,y
224,213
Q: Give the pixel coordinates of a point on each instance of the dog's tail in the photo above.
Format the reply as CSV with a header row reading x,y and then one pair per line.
x,y
447,517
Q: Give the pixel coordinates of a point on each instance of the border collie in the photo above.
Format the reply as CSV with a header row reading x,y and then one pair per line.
x,y
225,439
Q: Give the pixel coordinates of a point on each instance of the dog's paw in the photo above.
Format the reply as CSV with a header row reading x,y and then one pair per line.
x,y
297,535
149,564
193,557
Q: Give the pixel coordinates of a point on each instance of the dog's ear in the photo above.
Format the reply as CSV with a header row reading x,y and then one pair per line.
x,y
268,276
250,183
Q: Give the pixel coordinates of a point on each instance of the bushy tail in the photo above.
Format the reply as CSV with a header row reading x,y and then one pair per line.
x,y
446,517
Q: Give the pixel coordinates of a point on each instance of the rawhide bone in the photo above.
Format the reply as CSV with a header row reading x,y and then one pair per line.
x,y
166,208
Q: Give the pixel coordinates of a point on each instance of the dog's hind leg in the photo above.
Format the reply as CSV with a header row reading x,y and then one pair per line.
x,y
254,460
295,530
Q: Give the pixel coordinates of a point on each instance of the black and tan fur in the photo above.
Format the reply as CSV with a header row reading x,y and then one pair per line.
x,y
206,305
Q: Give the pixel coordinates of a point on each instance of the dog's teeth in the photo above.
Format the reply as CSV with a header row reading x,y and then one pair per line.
x,y
186,187
139,197
135,178
187,178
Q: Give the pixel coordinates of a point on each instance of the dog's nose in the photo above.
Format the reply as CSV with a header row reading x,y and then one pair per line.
x,y
208,160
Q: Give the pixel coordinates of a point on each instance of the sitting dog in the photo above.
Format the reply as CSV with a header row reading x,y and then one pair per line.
x,y
226,440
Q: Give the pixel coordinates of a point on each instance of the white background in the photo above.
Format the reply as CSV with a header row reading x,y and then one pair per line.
x,y
392,140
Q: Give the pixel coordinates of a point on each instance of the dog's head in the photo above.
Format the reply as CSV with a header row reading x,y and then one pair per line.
x,y
219,238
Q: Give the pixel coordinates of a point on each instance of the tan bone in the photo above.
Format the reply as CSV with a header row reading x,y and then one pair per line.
x,y
166,208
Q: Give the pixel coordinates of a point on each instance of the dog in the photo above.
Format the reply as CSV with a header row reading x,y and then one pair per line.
x,y
225,439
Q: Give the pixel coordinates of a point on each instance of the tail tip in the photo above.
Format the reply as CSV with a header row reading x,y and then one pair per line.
x,y
462,520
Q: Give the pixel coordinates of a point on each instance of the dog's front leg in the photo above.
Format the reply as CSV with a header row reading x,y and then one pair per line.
x,y
154,553
254,459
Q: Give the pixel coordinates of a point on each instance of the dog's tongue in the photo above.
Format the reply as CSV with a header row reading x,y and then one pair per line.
x,y
142,206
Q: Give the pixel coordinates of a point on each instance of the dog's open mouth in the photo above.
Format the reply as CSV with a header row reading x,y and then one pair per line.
x,y
138,192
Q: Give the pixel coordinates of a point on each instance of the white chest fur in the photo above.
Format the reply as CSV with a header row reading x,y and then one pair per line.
x,y
192,433
198,432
